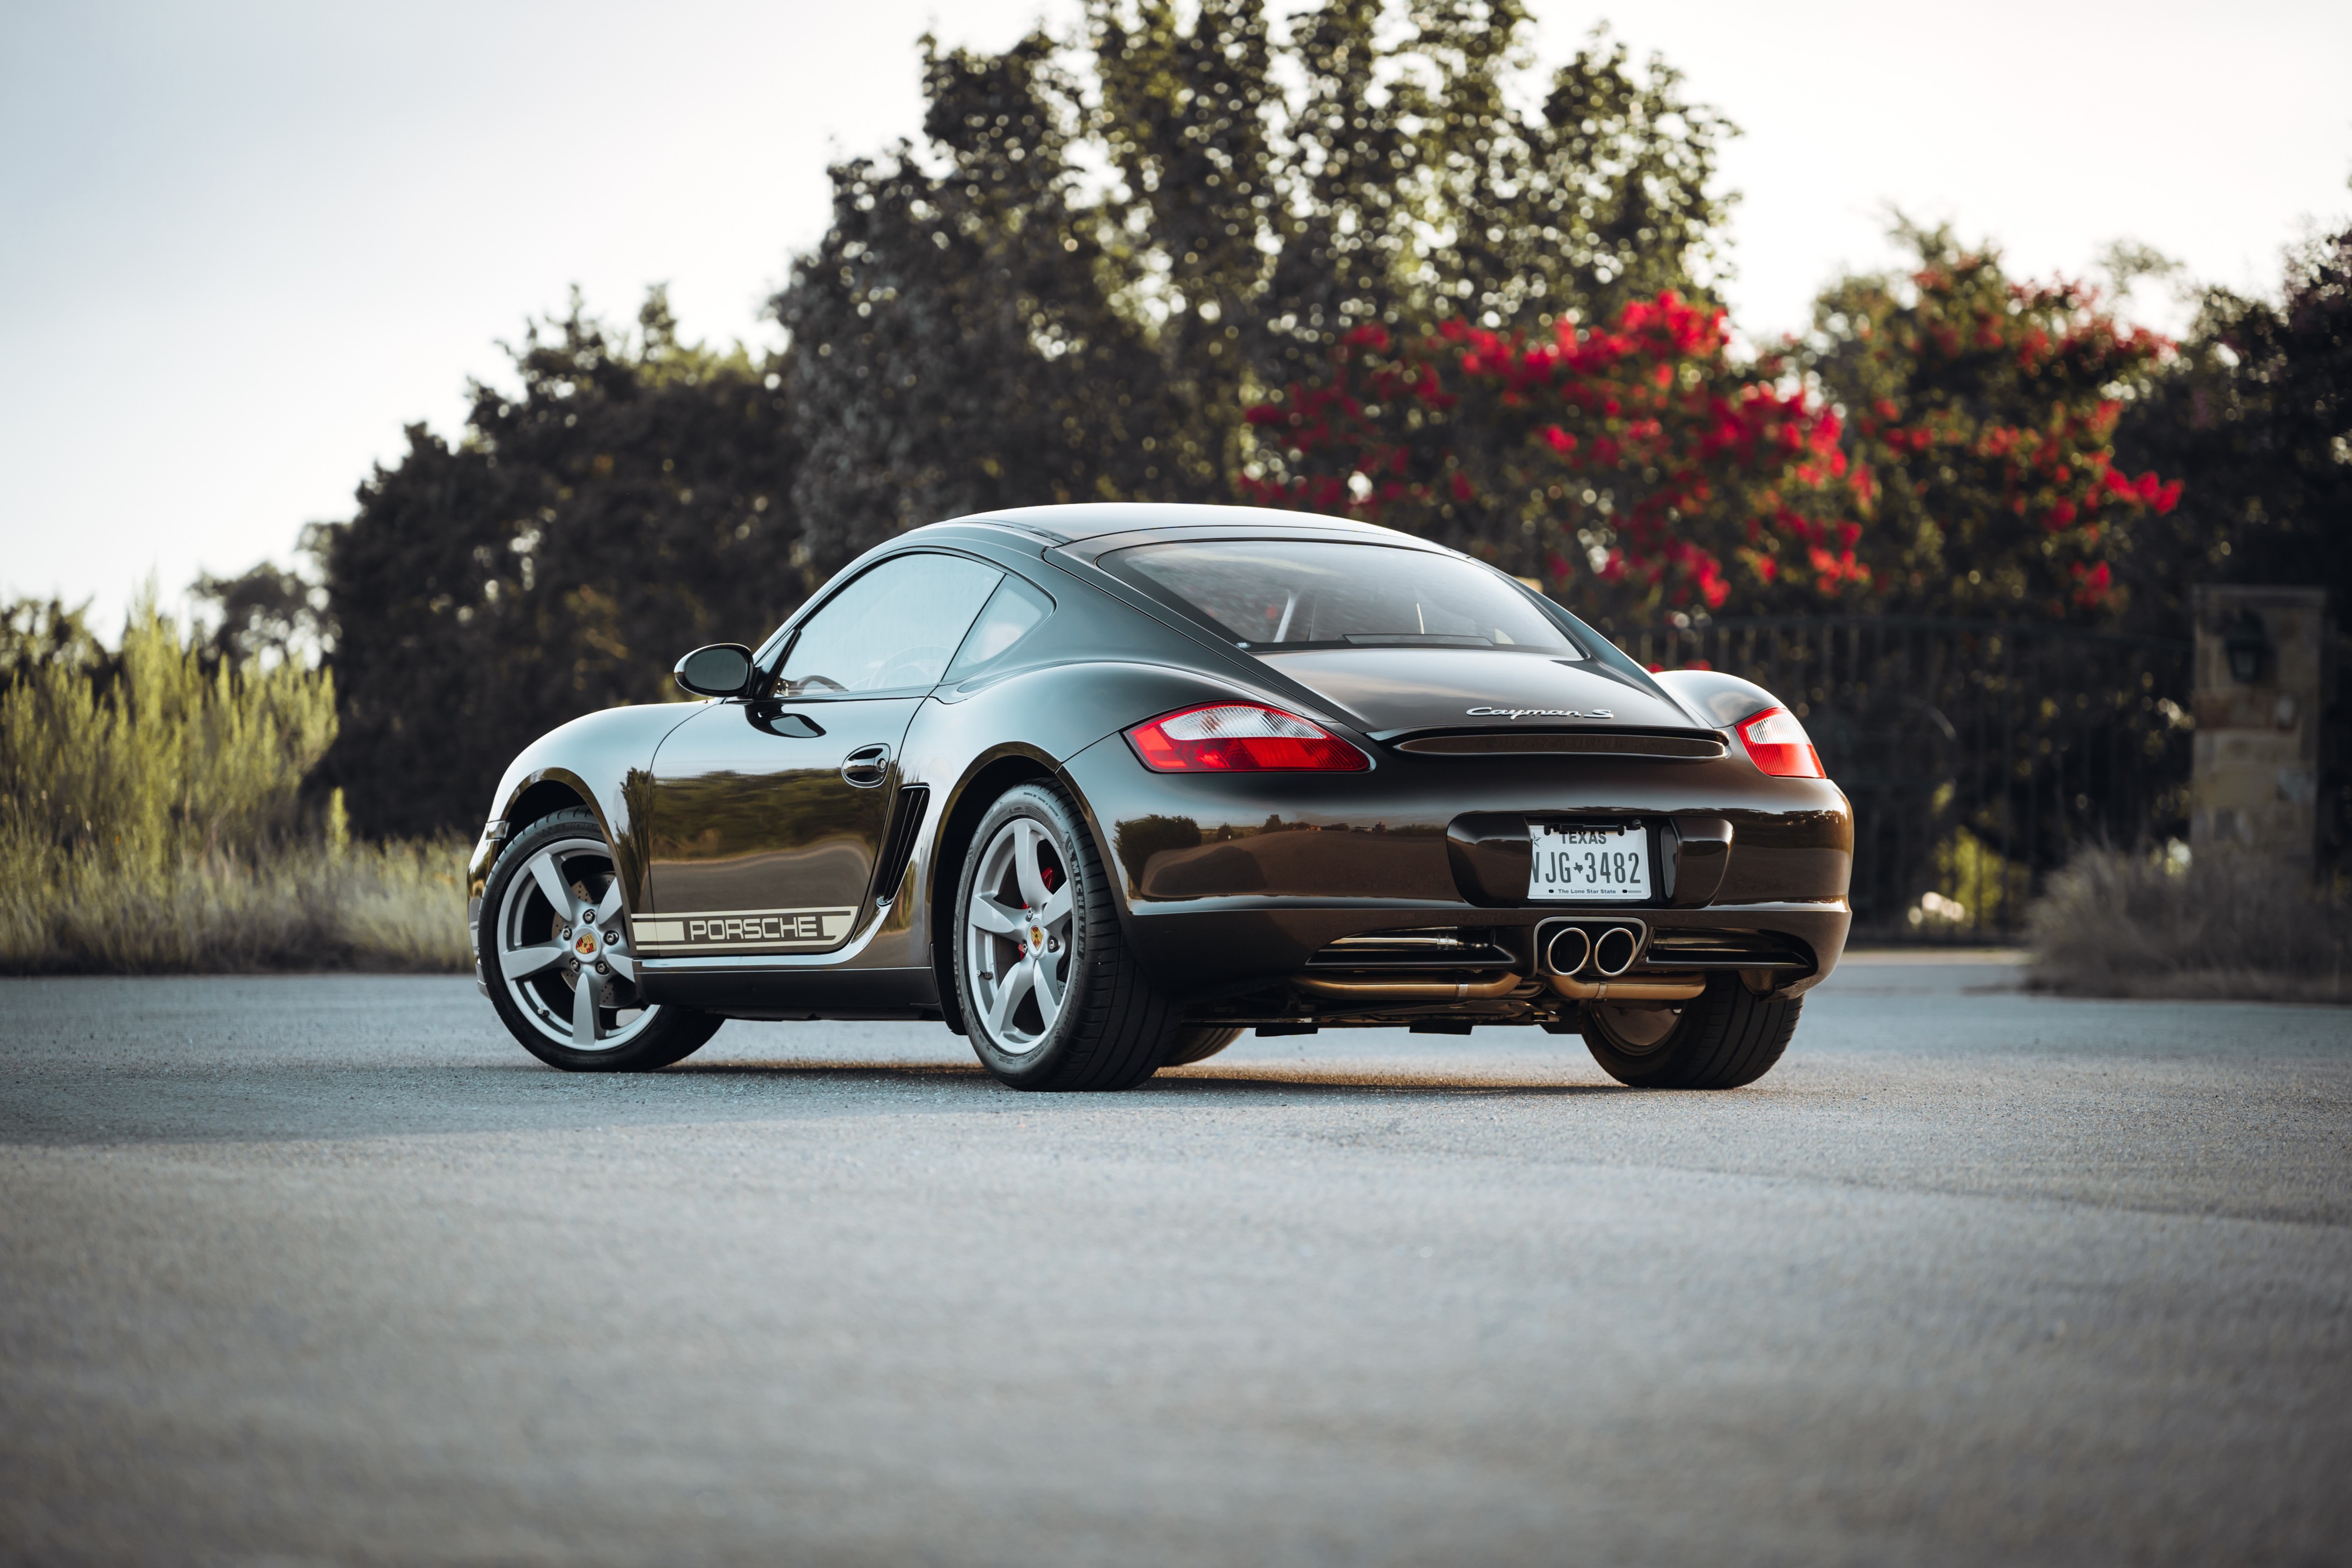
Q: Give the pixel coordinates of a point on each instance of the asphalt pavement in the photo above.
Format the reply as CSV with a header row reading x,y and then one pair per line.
x,y
325,1269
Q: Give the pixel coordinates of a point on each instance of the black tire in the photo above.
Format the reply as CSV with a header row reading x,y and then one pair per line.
x,y
1199,1042
1727,1036
541,1008
1084,1017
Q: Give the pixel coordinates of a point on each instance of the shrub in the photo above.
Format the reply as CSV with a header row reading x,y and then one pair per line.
x,y
2224,924
152,817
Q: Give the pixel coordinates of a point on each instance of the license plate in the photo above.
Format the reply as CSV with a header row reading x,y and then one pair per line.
x,y
1598,865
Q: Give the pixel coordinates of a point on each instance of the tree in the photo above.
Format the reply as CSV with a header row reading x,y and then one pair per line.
x,y
1981,413
267,613
2255,415
1077,282
953,346
630,501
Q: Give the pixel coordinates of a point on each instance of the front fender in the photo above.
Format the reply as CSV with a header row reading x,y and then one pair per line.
x,y
604,761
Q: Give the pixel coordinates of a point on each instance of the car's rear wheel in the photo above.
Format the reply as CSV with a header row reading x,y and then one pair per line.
x,y
555,953
1052,996
1725,1036
1197,1043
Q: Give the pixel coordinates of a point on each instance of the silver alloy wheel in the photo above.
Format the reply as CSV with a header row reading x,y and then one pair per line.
x,y
560,920
1016,933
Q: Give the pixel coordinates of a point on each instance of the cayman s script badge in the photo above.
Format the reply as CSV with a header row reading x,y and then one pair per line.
x,y
1539,713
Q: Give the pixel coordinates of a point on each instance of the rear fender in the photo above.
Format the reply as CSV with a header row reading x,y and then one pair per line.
x,y
1714,697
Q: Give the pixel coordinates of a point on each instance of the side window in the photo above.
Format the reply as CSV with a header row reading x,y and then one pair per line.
x,y
894,628
1013,613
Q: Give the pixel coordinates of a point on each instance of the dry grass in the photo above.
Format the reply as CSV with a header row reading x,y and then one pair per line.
x,y
395,907
2226,925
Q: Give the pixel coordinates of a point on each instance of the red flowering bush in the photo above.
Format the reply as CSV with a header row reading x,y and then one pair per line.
x,y
1981,413
1945,450
1635,467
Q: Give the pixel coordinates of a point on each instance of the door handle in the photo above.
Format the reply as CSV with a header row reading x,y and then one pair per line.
x,y
865,766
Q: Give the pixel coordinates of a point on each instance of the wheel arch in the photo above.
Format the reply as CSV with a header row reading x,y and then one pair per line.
x,y
545,796
1715,696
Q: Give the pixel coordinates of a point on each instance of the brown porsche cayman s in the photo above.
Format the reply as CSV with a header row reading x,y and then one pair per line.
x,y
1102,787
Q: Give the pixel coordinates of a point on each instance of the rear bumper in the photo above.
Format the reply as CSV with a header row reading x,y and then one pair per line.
x,y
1229,884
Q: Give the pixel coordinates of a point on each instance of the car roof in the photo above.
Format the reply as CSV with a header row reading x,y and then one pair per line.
x,y
1139,521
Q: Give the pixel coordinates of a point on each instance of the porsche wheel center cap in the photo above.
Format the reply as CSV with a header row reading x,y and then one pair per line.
x,y
1036,936
584,944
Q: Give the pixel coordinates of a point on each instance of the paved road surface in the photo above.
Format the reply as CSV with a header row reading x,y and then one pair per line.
x,y
314,1269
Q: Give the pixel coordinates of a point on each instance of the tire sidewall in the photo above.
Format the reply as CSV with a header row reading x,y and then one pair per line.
x,y
672,1034
1048,810
1690,1055
1657,1066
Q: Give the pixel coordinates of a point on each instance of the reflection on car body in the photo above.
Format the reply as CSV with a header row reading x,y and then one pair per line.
x,y
1102,787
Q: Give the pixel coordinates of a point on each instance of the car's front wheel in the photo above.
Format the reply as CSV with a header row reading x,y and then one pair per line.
x,y
556,955
1052,996
1725,1036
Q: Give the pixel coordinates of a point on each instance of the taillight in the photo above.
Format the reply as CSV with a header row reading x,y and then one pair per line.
x,y
1779,745
1242,738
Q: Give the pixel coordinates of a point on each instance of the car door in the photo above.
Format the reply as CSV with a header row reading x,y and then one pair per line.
x,y
768,813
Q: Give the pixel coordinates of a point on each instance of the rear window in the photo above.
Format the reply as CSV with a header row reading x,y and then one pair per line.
x,y
1319,593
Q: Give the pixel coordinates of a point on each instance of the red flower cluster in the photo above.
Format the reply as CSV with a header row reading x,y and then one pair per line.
x,y
1996,443
1640,456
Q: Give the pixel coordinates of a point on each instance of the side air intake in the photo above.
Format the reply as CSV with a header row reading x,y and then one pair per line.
x,y
899,841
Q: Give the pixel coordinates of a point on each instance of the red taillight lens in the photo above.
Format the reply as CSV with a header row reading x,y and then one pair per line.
x,y
1779,745
1242,738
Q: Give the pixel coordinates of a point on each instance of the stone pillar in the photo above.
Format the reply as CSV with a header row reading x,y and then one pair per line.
x,y
2256,777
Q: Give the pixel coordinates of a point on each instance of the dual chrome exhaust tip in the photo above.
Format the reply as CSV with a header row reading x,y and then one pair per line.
x,y
1600,951
1606,949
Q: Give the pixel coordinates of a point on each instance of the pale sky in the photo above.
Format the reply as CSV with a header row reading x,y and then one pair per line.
x,y
242,245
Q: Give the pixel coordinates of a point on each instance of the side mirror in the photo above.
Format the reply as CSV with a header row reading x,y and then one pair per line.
x,y
721,670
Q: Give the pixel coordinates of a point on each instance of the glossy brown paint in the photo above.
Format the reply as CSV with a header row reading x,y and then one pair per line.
x,y
1227,885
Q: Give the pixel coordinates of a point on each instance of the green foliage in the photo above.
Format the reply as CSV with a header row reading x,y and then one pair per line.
x,y
150,759
36,636
2256,418
153,815
952,348
630,501
267,613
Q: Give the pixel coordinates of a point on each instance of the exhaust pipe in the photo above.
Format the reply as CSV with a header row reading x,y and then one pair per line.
x,y
1613,951
1665,988
1410,990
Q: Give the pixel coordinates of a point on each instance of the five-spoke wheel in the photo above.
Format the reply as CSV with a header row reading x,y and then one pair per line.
x,y
555,954
1050,993
1017,936
564,947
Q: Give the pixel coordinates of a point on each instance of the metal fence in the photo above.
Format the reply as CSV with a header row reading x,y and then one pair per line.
x,y
1979,754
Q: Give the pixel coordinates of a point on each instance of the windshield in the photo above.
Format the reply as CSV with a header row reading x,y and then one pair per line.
x,y
1320,593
